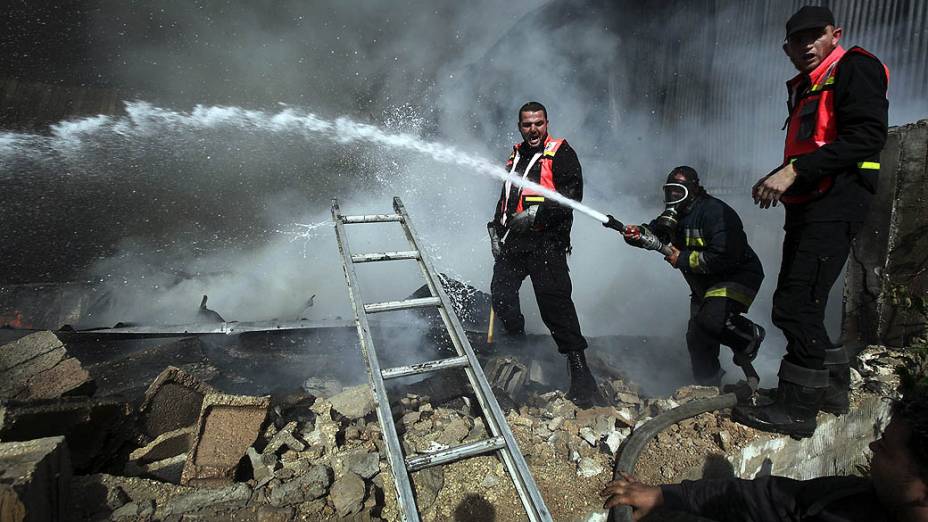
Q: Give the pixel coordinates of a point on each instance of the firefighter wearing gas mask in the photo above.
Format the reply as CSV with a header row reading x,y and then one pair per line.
x,y
703,238
530,237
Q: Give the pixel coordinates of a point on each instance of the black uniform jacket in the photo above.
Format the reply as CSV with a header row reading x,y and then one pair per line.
x,y
553,222
861,111
777,499
715,257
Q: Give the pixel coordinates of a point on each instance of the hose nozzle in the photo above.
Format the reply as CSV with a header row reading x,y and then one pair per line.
x,y
614,224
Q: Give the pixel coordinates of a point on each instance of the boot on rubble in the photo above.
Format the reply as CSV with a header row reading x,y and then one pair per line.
x,y
798,399
839,382
584,391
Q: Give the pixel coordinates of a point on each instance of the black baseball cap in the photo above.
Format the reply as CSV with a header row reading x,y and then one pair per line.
x,y
809,17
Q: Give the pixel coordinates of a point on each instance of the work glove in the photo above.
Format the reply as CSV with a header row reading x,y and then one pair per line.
x,y
495,244
642,237
633,235
525,220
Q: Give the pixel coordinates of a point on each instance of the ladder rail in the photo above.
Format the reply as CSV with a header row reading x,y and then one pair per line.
x,y
512,457
405,496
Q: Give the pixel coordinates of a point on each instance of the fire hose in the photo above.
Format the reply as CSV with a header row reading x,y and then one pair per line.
x,y
635,444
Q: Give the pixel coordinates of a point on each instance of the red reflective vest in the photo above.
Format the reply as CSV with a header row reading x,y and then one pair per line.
x,y
528,197
811,122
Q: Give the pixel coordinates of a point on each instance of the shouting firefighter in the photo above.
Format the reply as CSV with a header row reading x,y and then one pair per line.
x,y
530,237
703,238
836,129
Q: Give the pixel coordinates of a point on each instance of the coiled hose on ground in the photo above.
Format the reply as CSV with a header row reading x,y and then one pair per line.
x,y
637,442
632,448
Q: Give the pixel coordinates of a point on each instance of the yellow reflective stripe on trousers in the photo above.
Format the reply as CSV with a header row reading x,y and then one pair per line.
x,y
869,165
534,199
730,293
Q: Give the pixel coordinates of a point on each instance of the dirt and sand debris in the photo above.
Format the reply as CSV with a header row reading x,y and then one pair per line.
x,y
297,455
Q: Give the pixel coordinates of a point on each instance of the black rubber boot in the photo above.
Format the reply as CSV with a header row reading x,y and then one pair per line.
x,y
839,382
749,353
584,391
799,397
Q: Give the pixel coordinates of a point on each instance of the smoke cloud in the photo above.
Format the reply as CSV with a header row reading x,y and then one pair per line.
x,y
162,213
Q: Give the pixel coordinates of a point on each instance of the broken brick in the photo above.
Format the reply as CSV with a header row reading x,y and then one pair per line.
x,y
165,446
227,427
38,366
34,479
95,429
172,401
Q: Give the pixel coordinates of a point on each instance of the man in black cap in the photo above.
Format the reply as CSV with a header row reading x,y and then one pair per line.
x,y
836,129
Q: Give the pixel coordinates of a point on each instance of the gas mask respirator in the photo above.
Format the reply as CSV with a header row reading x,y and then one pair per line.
x,y
678,196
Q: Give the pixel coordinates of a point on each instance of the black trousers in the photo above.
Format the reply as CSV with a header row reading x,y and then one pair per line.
x,y
551,281
813,257
715,321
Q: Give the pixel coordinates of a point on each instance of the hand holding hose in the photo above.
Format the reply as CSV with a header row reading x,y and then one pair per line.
x,y
628,491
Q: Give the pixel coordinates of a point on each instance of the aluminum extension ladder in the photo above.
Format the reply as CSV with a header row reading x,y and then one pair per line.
x,y
501,440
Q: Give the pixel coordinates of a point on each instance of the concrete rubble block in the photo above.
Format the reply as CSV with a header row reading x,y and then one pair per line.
x,y
365,464
262,466
348,494
624,393
285,439
95,429
38,366
326,428
356,402
689,393
167,470
35,480
227,427
236,495
586,433
140,510
172,401
164,446
428,484
588,467
308,486
454,432
506,374
615,439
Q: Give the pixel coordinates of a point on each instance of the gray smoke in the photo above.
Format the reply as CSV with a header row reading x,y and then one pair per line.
x,y
219,211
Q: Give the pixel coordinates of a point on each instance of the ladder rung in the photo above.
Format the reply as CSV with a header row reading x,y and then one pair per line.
x,y
373,308
384,256
371,218
445,456
430,366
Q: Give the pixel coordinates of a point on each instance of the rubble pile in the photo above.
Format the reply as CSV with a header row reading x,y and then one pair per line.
x,y
188,449
696,447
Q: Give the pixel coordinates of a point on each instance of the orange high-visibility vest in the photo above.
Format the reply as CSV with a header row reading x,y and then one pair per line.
x,y
528,197
811,122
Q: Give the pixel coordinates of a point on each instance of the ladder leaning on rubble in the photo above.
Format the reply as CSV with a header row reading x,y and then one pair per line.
x,y
501,439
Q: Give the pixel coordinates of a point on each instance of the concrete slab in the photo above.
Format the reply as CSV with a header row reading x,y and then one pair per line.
x,y
34,480
165,446
38,366
95,429
227,427
173,401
